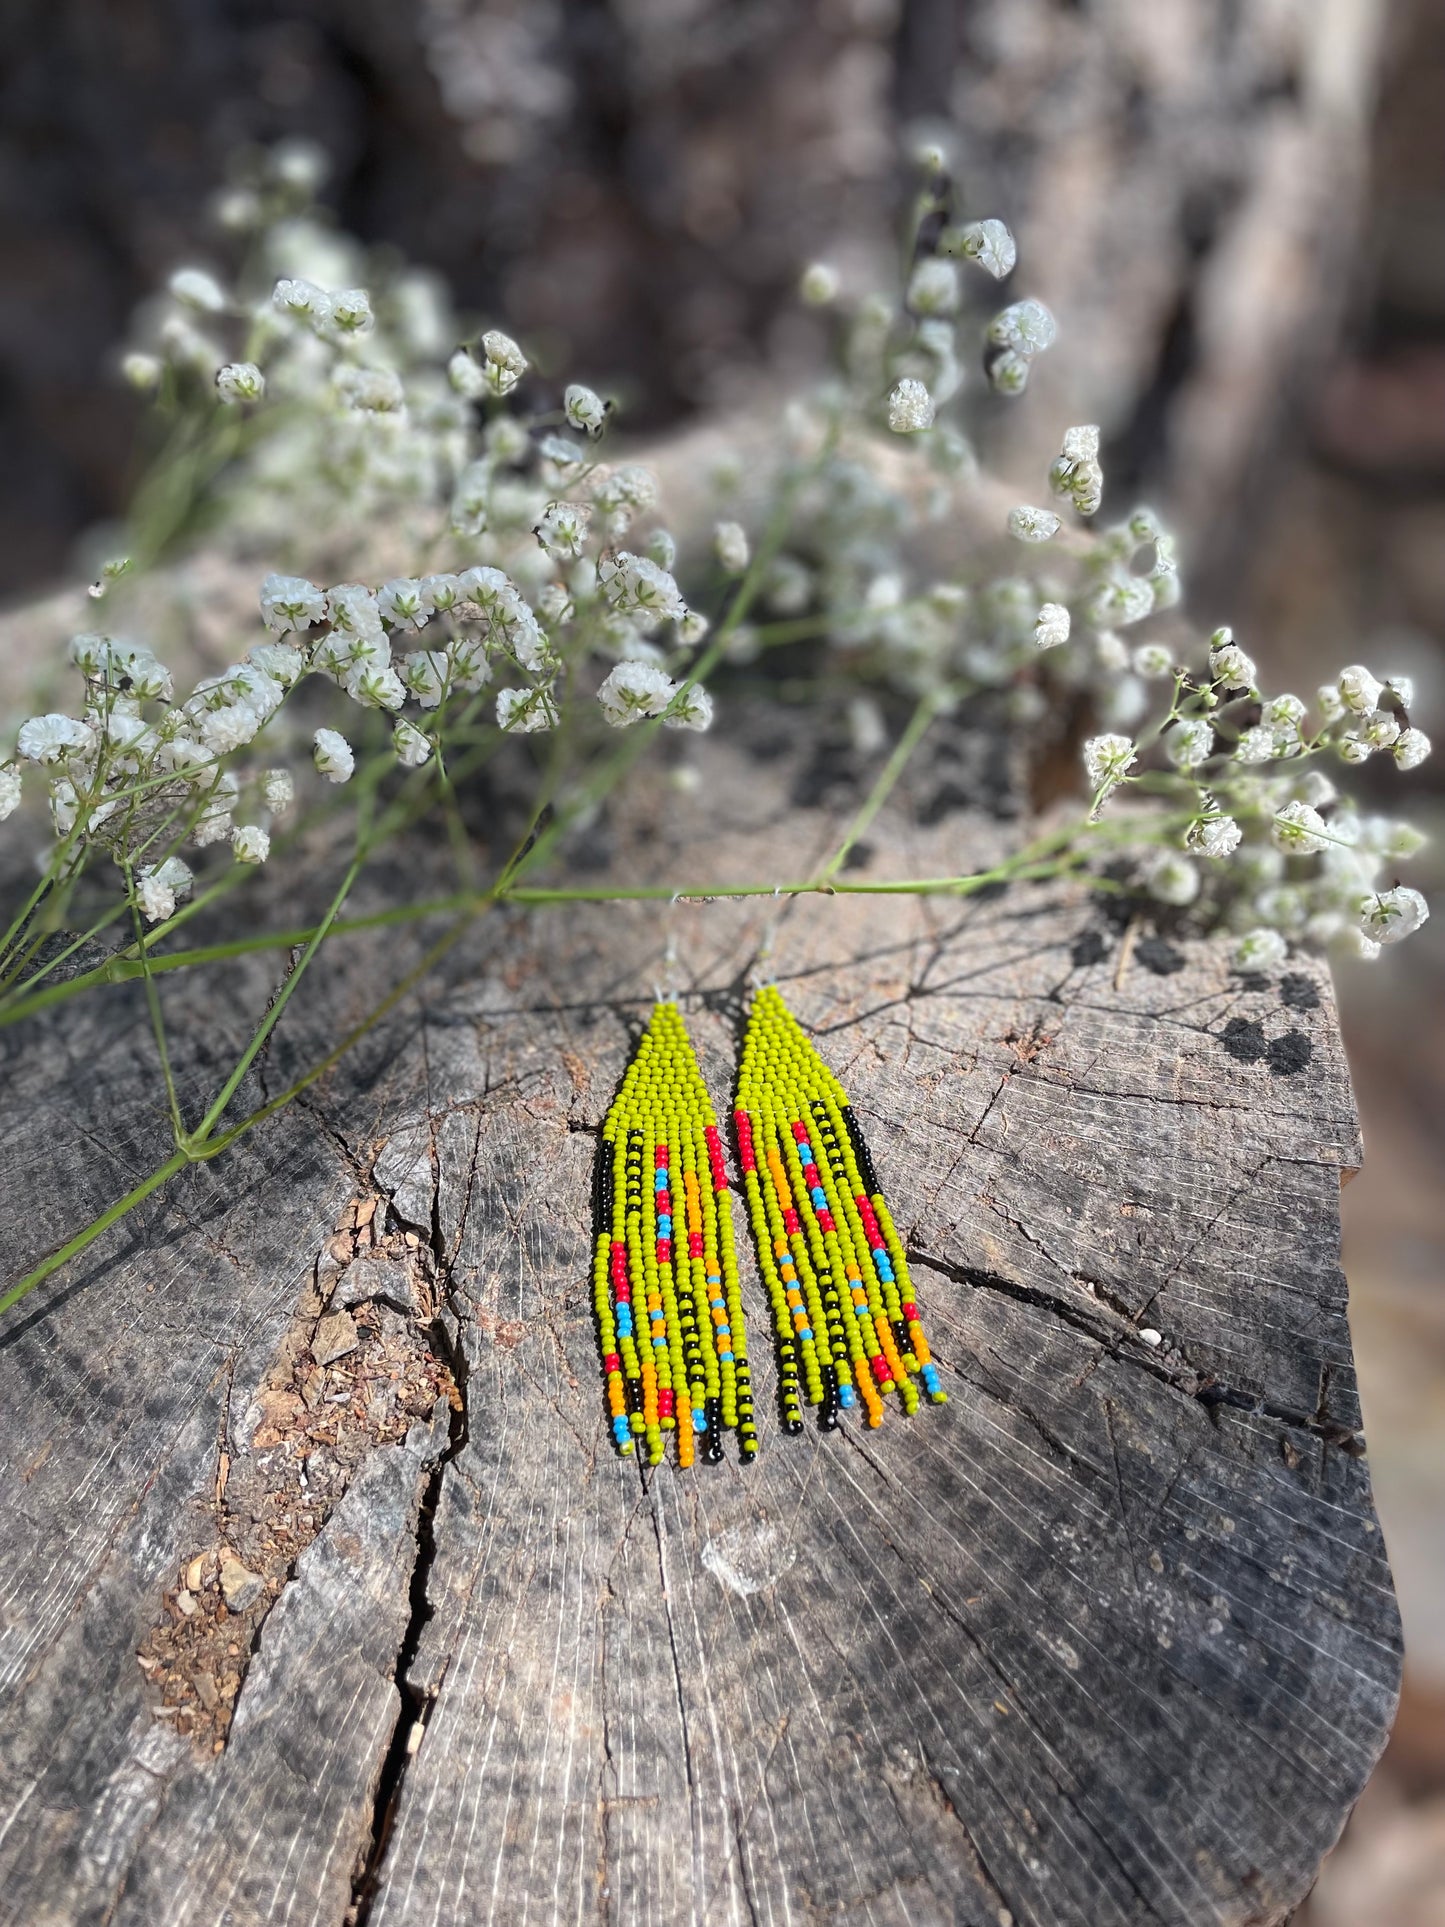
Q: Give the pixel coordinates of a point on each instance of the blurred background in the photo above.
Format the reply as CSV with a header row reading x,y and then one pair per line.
x,y
1235,207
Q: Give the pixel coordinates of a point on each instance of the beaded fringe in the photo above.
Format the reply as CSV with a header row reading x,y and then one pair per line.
x,y
847,1323
664,1242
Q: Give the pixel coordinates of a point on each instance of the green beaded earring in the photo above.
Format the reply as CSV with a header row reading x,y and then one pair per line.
x,y
847,1323
665,1273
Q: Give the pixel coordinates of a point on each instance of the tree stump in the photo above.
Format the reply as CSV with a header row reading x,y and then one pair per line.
x,y
327,1600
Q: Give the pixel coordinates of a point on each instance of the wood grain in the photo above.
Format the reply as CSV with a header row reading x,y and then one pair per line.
x,y
1108,1639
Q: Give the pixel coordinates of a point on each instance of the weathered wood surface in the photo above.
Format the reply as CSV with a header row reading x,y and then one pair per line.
x,y
1108,1639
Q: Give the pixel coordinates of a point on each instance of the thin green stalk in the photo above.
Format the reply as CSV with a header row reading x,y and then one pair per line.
x,y
158,1025
279,1002
918,725
73,1247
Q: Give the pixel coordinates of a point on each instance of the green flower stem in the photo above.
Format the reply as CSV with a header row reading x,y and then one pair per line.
x,y
113,1214
918,725
278,1004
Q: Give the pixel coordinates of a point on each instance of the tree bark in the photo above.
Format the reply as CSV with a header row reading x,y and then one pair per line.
x,y
1109,1637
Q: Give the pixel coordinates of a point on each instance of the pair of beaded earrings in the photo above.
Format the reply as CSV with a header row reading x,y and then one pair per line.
x,y
665,1278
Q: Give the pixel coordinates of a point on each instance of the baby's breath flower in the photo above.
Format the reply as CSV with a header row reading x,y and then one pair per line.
x,y
142,372
1390,915
1258,744
1051,625
1190,743
555,603
1359,690
933,287
1228,664
278,791
1152,660
1315,787
198,290
1027,327
440,592
240,381
1286,712
155,900
403,603
371,391
730,545
304,300
227,728
1214,836
426,673
1329,702
910,408
375,686
1027,524
351,312
250,843
635,584
1110,652
633,690
1381,730
466,377
1106,762
692,627
990,244
1076,472
9,791
525,710
291,602
691,708
353,610
333,756
585,411
819,285
503,363
1299,830
1352,747
562,530
1121,598
1172,878
1008,372
1412,748
411,746
53,739
1260,950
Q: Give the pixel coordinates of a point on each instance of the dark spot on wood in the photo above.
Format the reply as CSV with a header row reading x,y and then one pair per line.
x,y
1244,1039
1088,949
1299,993
1288,1055
1158,956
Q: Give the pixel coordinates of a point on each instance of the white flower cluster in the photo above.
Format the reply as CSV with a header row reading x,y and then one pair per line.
x,y
368,431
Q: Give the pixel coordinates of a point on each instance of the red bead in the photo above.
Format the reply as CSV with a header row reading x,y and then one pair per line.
x,y
910,1310
694,1244
790,1223
665,1404
664,1251
659,1157
612,1362
881,1371
825,1221
800,1132
664,1204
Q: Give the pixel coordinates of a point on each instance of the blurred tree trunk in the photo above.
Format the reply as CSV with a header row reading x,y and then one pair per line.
x,y
634,183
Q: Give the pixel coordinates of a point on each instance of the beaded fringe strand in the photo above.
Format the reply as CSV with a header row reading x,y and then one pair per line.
x,y
665,1242
847,1323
